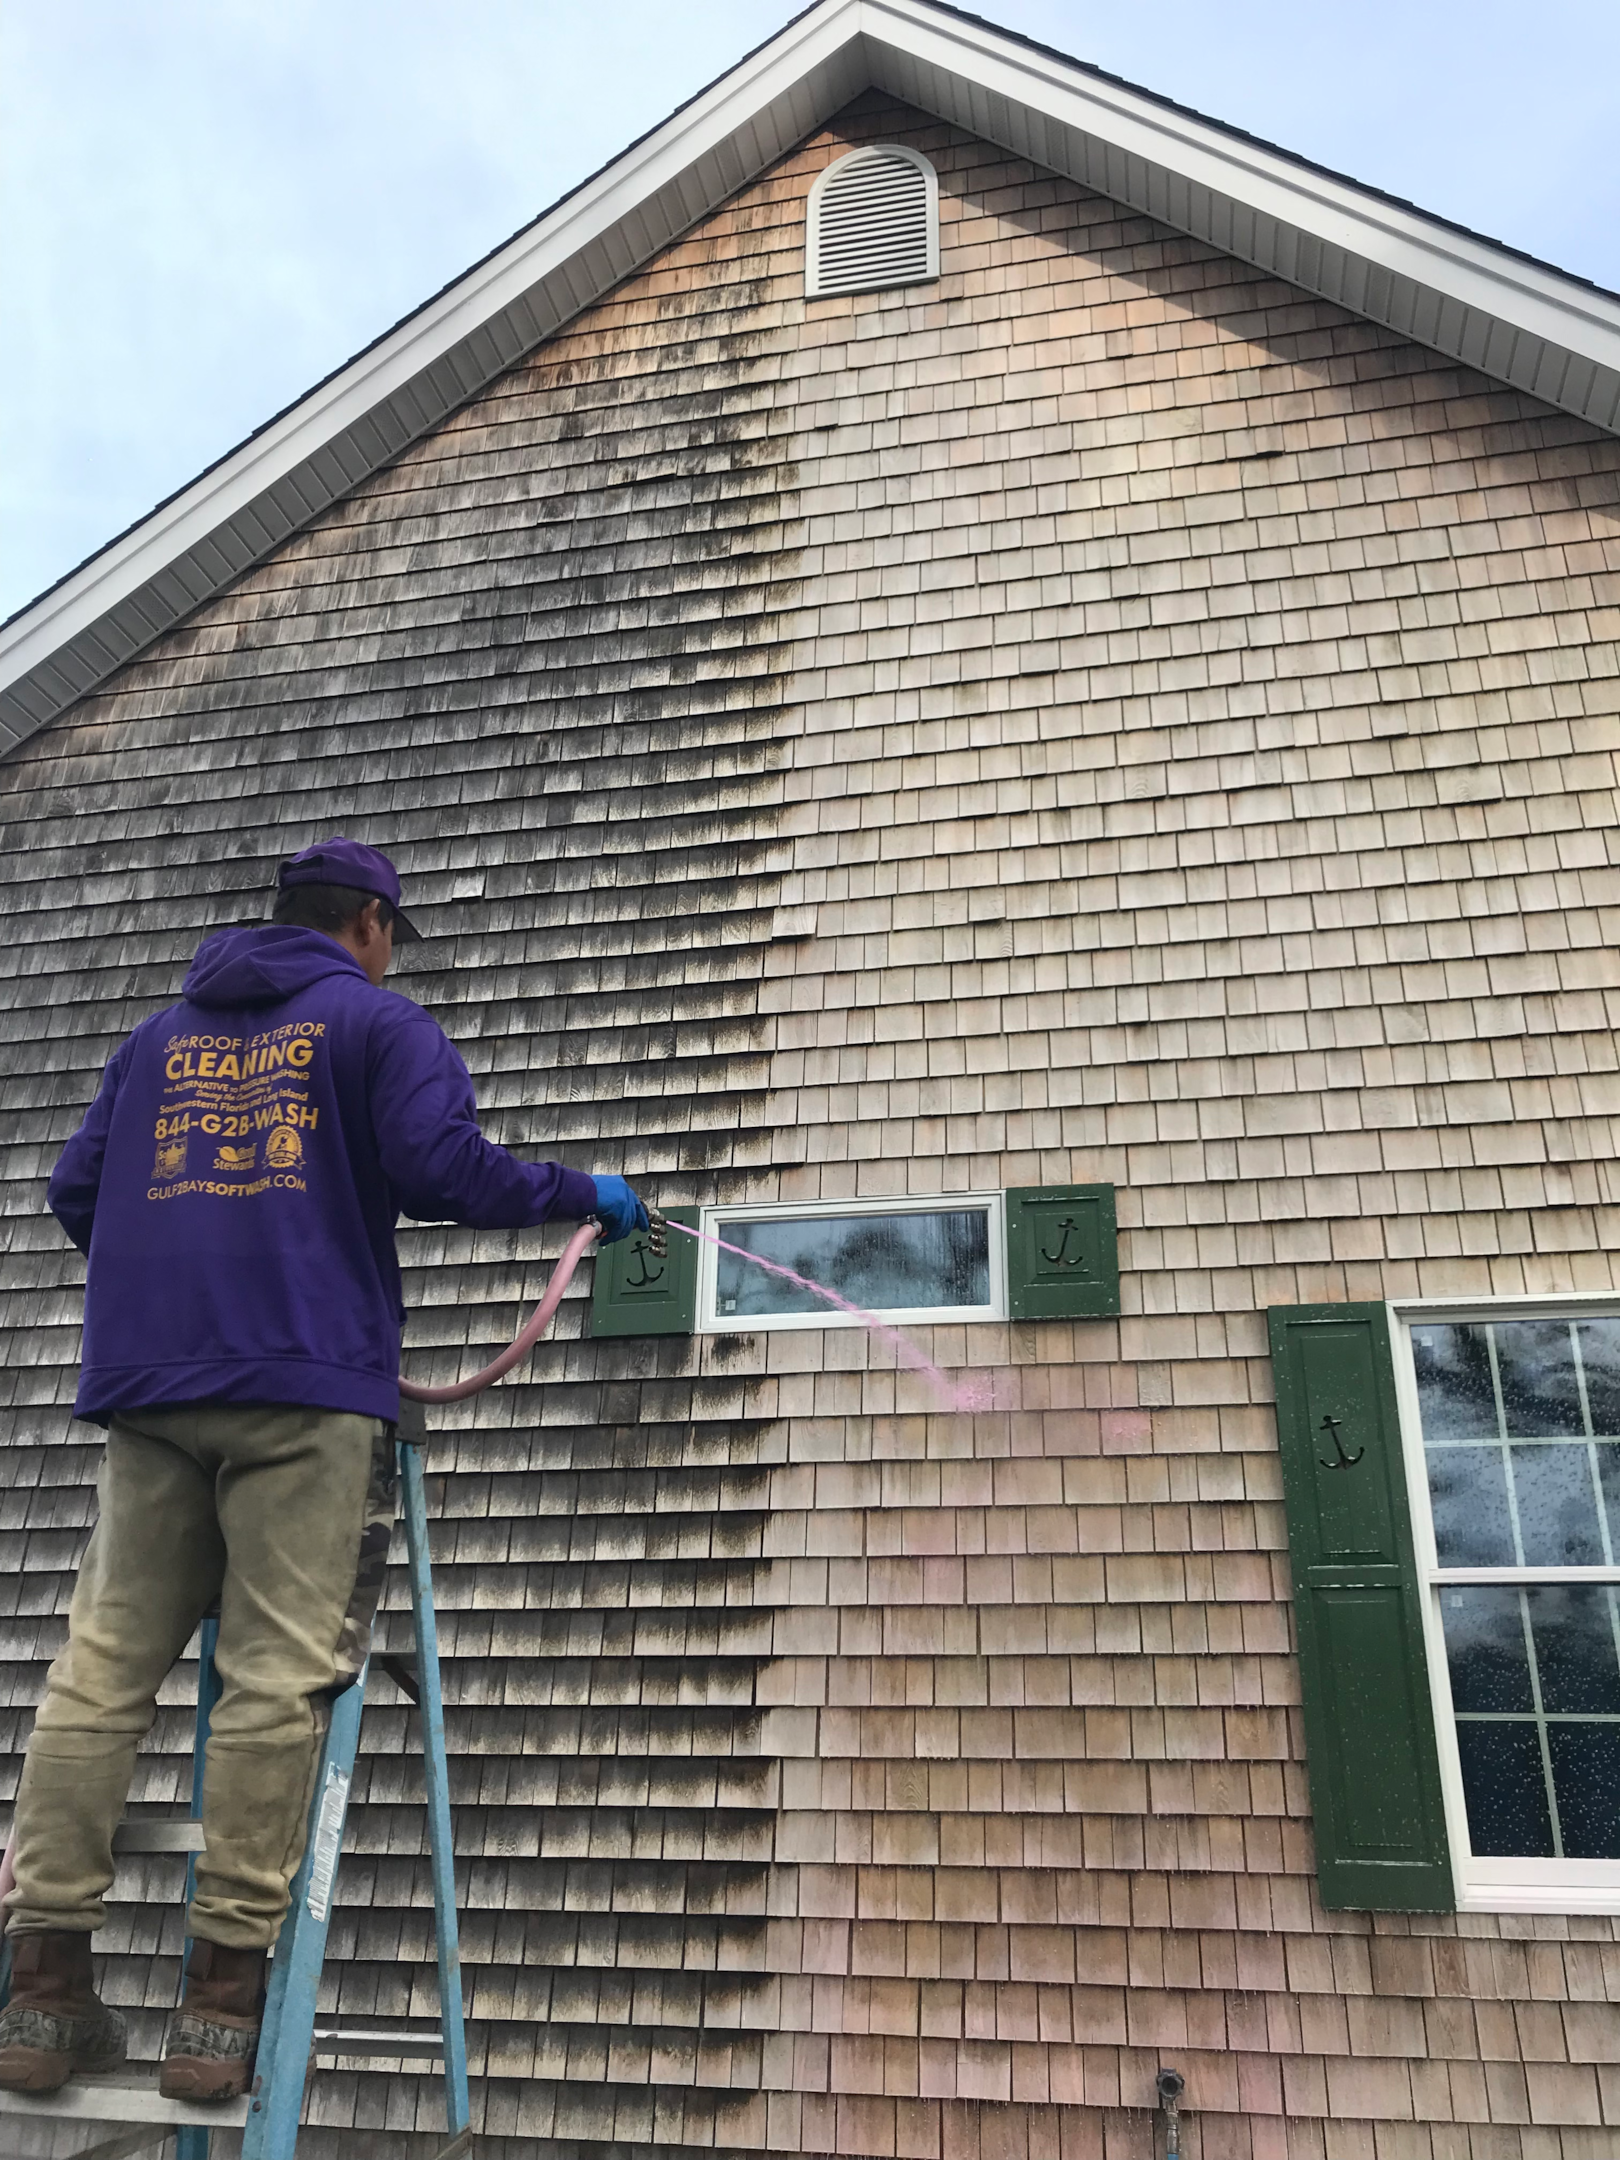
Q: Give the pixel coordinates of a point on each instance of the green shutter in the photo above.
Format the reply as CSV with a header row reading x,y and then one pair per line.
x,y
635,1294
1358,1612
1062,1252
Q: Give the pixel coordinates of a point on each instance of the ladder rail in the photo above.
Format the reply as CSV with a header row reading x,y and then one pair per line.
x,y
209,1686
7,1884
288,2026
435,1764
192,2141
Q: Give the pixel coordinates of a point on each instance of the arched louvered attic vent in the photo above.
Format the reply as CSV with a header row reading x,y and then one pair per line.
x,y
874,221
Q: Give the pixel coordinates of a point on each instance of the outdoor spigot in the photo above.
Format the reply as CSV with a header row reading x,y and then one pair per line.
x,y
1171,2085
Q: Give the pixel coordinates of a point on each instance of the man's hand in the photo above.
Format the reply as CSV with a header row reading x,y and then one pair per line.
x,y
618,1209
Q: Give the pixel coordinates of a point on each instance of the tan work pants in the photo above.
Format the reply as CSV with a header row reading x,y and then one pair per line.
x,y
281,1513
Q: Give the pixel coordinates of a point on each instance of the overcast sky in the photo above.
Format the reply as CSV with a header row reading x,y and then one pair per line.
x,y
208,204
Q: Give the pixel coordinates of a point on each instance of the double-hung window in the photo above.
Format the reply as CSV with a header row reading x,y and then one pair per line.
x,y
1511,1419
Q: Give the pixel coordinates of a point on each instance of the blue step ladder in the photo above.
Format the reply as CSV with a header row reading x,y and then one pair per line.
x,y
292,2032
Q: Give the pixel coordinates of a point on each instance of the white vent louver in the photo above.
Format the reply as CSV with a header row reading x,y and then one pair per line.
x,y
874,221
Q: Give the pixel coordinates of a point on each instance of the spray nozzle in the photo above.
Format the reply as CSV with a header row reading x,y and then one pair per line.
x,y
656,1234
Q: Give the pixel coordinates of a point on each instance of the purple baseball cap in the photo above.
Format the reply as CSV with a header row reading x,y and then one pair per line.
x,y
349,862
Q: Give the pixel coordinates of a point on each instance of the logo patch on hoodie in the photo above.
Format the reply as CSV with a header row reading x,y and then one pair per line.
x,y
234,1158
284,1150
171,1159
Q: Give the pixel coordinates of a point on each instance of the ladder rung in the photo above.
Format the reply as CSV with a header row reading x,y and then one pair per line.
x,y
358,2040
401,1669
152,1835
125,2097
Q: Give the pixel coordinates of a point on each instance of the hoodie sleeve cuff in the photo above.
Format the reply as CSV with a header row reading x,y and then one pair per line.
x,y
576,1197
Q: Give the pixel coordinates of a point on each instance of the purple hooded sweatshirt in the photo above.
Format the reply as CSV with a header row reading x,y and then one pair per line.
x,y
237,1180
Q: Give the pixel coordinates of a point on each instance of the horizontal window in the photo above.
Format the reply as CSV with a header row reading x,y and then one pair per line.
x,y
1511,1420
806,1265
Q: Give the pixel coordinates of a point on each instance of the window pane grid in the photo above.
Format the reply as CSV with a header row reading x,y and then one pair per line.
x,y
1507,1459
1521,1439
1554,1828
1605,1529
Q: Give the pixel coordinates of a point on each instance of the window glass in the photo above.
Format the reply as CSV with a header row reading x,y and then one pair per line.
x,y
1599,1345
1468,1491
1505,1785
1455,1386
1522,1479
915,1261
1540,1379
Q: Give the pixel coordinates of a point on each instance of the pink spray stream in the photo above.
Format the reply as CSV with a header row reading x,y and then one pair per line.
x,y
964,1396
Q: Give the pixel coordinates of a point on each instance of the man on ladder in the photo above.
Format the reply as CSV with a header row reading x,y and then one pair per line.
x,y
236,1184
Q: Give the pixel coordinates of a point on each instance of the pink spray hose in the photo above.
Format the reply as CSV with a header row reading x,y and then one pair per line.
x,y
519,1347
528,1335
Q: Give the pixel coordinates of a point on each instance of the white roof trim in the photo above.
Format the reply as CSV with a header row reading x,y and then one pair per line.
x,y
1520,321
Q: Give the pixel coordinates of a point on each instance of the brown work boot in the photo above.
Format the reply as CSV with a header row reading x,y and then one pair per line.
x,y
214,2034
54,2025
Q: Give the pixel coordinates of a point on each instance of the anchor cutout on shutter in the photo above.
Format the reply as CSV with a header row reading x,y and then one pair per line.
x,y
1339,1459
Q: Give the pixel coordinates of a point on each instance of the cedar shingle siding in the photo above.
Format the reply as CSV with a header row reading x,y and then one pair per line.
x,y
1190,712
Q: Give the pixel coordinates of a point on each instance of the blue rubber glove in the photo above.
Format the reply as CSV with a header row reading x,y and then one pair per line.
x,y
620,1211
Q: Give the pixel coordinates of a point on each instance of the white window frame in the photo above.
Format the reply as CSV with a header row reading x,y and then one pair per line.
x,y
1485,1883
711,1322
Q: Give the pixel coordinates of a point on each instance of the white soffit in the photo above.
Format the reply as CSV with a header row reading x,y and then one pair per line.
x,y
1520,321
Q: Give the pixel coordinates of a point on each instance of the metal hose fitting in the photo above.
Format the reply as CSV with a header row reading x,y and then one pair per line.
x,y
1171,2085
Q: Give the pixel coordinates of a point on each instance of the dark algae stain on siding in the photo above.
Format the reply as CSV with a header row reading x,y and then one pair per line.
x,y
543,659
